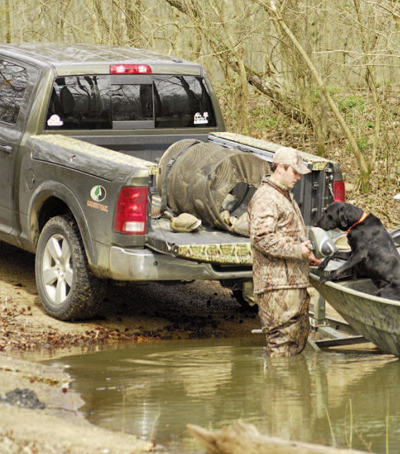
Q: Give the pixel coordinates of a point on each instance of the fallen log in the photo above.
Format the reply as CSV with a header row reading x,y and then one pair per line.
x,y
242,438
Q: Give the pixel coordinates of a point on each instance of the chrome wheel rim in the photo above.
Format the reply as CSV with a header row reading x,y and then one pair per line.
x,y
57,271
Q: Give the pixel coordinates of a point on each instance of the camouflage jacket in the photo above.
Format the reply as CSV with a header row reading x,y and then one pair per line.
x,y
276,228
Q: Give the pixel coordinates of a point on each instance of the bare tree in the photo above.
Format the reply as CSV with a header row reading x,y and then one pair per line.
x,y
297,62
8,21
132,10
230,50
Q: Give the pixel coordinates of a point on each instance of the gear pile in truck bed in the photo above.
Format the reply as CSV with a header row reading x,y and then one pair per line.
x,y
211,182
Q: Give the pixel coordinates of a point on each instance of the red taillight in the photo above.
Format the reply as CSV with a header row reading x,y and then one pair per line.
x,y
130,69
131,211
339,192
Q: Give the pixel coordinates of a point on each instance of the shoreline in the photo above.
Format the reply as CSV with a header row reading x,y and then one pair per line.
x,y
39,413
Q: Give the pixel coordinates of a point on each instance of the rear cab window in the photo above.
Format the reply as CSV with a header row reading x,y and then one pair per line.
x,y
126,102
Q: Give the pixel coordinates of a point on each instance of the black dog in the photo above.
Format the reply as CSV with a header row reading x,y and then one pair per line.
x,y
373,252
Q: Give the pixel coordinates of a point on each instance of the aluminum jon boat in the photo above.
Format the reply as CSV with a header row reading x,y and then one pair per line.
x,y
376,319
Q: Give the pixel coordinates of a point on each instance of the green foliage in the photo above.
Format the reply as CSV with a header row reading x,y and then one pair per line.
x,y
363,143
333,90
263,119
316,96
352,102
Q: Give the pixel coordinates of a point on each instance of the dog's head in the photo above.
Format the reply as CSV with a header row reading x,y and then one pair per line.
x,y
339,215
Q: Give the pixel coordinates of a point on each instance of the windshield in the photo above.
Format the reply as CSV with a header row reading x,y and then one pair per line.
x,y
129,102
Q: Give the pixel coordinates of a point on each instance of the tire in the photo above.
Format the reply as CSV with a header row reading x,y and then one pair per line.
x,y
67,288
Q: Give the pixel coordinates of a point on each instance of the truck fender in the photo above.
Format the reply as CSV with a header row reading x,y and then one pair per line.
x,y
53,189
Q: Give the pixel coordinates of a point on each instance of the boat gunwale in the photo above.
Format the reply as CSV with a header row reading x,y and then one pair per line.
x,y
341,287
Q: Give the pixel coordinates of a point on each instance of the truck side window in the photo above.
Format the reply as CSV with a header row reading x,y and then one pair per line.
x,y
13,83
182,102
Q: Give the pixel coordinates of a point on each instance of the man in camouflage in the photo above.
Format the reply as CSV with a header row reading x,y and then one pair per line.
x,y
281,257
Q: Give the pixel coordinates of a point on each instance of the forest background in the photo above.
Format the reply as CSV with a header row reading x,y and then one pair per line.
x,y
318,75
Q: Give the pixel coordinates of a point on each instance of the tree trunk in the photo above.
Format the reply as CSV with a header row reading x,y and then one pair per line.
x,y
371,81
364,167
225,50
133,20
8,22
95,21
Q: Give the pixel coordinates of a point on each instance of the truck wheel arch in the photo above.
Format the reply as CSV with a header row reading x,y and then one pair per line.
x,y
52,199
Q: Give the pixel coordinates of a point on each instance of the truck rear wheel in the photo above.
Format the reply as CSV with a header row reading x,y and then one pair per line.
x,y
67,288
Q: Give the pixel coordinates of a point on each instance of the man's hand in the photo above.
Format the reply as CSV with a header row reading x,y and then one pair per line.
x,y
313,261
306,250
307,253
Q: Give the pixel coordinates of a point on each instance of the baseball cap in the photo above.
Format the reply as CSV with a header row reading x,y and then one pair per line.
x,y
291,157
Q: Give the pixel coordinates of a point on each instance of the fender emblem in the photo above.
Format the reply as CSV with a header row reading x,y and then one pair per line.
x,y
98,193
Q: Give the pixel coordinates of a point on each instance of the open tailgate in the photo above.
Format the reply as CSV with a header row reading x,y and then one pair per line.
x,y
204,245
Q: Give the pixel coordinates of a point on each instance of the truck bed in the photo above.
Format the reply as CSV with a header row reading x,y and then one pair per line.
x,y
312,193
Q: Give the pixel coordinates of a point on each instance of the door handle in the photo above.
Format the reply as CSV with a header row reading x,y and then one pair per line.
x,y
6,148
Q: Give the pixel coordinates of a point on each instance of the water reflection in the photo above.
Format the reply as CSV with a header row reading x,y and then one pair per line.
x,y
154,391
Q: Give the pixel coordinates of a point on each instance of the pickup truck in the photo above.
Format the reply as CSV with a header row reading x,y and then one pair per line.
x,y
81,130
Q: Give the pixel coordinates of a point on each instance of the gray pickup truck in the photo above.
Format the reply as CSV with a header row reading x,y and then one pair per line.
x,y
81,131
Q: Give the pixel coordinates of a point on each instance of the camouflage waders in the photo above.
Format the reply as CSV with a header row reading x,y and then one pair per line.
x,y
284,320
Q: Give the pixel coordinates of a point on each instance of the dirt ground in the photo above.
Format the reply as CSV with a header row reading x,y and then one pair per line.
x,y
39,414
146,312
137,312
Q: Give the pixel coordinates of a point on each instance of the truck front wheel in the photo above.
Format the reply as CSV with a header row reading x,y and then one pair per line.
x,y
67,288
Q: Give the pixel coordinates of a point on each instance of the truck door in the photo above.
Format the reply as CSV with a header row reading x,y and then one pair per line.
x,y
16,85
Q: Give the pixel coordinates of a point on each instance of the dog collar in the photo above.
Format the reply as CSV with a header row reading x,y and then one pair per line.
x,y
362,218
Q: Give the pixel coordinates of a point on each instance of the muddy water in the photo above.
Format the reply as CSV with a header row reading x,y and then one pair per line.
x,y
343,399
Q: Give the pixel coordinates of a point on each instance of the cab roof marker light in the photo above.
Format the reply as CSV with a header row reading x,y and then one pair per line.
x,y
130,69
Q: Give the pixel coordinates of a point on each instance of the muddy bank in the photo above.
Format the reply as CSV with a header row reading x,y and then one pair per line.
x,y
137,312
39,413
